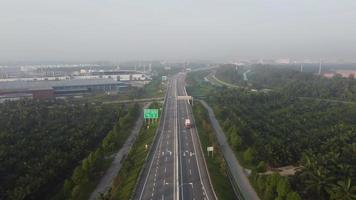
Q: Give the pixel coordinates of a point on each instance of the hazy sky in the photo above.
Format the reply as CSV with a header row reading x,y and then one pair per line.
x,y
117,30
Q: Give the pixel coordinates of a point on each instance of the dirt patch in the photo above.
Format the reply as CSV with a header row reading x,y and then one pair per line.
x,y
288,170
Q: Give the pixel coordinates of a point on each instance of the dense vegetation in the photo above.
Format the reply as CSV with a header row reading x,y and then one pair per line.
x,y
41,143
291,82
231,74
86,175
278,128
272,129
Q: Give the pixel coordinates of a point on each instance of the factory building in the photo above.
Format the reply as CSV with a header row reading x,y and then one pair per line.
x,y
14,90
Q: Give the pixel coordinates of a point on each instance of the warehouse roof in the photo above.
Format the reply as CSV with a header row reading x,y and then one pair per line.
x,y
41,85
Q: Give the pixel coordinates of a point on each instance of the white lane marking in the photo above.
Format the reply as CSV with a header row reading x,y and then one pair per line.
x,y
165,170
160,139
175,145
180,155
196,159
190,172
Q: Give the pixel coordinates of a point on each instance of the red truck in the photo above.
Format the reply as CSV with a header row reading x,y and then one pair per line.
x,y
187,123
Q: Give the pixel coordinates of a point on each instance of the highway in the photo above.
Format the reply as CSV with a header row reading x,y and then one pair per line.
x,y
194,176
175,168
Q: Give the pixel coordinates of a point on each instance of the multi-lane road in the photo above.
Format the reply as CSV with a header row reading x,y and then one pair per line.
x,y
176,168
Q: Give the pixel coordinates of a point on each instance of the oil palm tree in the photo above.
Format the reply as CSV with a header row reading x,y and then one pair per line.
x,y
343,190
318,183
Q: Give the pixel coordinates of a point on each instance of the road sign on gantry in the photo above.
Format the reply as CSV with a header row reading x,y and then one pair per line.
x,y
150,113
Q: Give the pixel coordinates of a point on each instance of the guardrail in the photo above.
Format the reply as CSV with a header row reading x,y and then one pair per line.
x,y
234,178
235,185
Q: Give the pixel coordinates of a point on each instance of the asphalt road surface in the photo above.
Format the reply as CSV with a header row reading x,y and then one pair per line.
x,y
175,169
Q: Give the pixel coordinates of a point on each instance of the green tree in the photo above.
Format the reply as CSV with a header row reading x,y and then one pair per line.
x,y
283,187
319,183
235,140
86,165
76,192
269,193
261,183
68,187
78,175
261,167
248,155
293,196
343,190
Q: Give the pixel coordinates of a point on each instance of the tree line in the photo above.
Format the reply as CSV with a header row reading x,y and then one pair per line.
x,y
291,82
41,142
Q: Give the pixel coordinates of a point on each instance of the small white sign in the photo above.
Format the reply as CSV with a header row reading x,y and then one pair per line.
x,y
210,148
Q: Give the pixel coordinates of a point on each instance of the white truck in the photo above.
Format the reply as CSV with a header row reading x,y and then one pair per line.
x,y
187,123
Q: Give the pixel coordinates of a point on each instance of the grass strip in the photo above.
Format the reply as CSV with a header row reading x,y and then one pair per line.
x,y
127,177
216,164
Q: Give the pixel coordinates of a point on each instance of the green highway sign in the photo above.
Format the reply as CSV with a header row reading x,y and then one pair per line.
x,y
150,113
